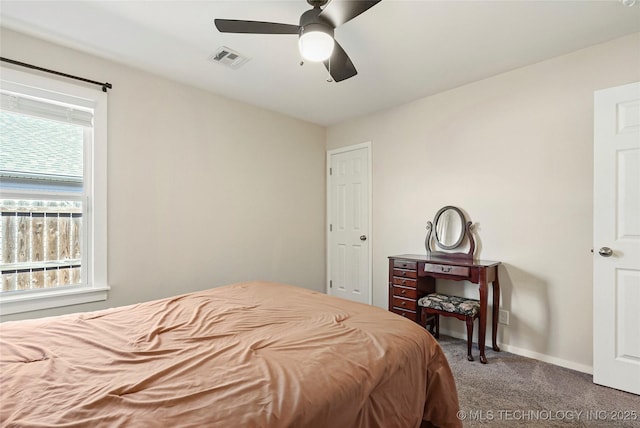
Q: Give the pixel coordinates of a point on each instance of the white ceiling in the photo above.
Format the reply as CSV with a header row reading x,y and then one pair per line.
x,y
403,50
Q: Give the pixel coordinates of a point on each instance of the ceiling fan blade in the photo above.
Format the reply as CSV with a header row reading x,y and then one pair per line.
x,y
339,65
340,11
254,27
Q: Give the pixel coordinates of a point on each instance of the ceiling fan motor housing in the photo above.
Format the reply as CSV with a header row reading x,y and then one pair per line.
x,y
311,20
317,3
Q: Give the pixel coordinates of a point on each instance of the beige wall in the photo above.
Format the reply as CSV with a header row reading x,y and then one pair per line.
x,y
514,151
202,191
200,187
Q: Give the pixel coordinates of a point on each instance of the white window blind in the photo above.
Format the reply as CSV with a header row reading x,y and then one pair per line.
x,y
45,109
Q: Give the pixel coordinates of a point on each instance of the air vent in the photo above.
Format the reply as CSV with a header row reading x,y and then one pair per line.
x,y
228,57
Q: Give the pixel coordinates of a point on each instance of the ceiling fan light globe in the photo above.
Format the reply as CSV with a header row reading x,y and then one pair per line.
x,y
315,46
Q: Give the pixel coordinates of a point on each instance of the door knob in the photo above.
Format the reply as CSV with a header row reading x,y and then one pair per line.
x,y
363,237
605,252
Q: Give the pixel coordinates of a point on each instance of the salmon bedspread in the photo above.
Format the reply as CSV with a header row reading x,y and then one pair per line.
x,y
245,355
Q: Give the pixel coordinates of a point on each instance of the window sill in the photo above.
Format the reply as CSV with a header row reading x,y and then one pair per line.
x,y
51,299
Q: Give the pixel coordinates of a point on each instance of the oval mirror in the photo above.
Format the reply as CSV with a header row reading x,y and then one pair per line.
x,y
449,225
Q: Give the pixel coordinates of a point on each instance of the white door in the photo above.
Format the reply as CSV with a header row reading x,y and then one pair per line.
x,y
348,211
616,218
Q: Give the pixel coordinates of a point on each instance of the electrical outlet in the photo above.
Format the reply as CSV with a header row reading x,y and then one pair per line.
x,y
503,317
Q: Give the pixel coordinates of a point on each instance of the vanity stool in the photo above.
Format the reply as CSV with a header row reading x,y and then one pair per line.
x,y
467,310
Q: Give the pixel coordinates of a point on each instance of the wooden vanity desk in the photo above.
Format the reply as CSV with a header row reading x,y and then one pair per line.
x,y
429,268
413,276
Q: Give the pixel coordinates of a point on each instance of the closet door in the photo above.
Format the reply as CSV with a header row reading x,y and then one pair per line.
x,y
616,276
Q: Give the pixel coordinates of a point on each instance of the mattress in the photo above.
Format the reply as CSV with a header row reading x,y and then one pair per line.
x,y
245,355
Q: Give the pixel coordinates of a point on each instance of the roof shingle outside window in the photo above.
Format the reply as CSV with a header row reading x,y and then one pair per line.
x,y
31,145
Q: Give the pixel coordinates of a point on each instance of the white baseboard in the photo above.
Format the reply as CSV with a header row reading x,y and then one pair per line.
x,y
531,354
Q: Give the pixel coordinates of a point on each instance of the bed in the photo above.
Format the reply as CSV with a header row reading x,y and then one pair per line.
x,y
253,354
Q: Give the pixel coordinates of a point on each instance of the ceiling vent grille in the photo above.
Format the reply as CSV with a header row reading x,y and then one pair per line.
x,y
228,57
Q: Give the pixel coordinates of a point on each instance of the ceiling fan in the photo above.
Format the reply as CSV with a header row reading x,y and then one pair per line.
x,y
315,32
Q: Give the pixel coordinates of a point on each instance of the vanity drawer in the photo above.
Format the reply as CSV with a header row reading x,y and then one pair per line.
x,y
407,285
405,282
405,313
409,293
447,269
405,273
399,302
404,264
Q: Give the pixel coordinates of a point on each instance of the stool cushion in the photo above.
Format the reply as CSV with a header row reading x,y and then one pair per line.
x,y
455,304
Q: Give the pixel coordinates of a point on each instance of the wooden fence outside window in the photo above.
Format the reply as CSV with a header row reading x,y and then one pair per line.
x,y
40,244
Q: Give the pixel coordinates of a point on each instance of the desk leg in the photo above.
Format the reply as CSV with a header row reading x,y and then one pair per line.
x,y
495,288
483,316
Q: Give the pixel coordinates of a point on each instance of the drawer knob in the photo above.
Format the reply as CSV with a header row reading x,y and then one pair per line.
x,y
403,292
404,282
446,269
404,303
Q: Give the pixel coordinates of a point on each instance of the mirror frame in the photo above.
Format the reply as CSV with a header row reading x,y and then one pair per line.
x,y
463,222
466,232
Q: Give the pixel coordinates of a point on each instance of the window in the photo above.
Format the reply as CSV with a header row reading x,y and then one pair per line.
x,y
52,193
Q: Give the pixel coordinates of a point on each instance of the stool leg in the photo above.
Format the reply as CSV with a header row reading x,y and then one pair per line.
x,y
432,325
469,321
427,319
437,322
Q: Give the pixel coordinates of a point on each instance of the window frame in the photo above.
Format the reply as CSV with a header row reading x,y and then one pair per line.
x,y
95,286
